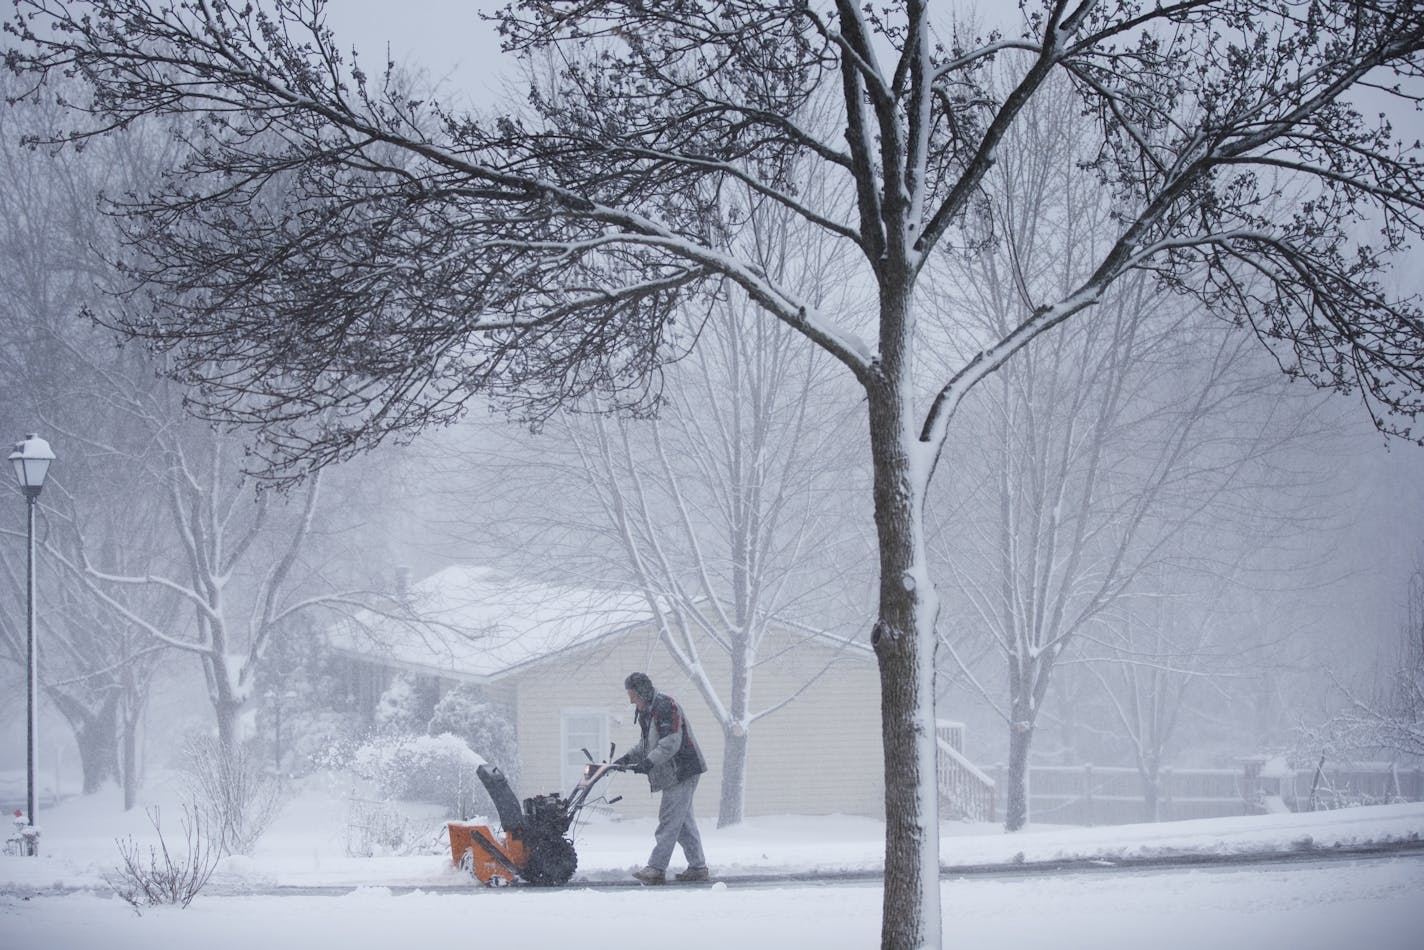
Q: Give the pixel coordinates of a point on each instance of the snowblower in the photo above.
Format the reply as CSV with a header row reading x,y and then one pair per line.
x,y
534,843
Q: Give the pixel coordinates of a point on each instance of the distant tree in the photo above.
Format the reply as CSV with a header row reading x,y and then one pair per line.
x,y
722,509
55,374
234,564
1180,646
1123,443
351,263
1389,717
486,727
148,516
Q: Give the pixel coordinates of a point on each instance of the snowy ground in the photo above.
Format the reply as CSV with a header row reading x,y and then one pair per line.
x,y
1332,903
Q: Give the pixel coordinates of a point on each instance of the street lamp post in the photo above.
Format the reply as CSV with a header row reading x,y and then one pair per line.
x,y
31,459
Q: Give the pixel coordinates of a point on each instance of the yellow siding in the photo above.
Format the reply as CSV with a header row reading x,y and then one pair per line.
x,y
820,754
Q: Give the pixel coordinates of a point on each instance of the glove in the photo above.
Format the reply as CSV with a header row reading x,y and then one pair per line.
x,y
642,766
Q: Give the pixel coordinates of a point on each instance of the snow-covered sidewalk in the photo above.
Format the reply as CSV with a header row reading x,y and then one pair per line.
x,y
306,845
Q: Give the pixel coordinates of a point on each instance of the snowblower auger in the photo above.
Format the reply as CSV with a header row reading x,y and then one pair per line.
x,y
534,844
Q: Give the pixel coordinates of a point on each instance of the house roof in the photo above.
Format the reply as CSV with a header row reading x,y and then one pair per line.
x,y
477,624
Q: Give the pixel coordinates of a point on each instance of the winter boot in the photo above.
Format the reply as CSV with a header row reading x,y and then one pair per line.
x,y
651,876
695,874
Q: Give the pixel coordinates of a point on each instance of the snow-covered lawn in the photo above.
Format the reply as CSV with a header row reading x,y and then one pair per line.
x,y
1374,904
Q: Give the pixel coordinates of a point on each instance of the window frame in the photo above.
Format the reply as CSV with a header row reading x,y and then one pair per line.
x,y
571,768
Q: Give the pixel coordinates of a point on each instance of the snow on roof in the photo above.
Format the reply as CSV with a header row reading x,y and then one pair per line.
x,y
474,623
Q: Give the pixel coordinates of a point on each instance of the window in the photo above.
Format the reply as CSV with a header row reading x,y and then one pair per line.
x,y
580,729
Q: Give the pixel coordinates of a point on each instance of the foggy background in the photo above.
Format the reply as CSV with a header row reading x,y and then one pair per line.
x,y
1285,591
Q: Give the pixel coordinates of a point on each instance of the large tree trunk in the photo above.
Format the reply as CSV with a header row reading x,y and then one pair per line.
x,y
905,643
1016,793
228,701
734,776
95,734
1029,684
97,738
130,761
229,733
734,729
1152,792
228,709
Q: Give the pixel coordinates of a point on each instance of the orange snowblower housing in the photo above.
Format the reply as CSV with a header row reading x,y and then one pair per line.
x,y
490,857
534,843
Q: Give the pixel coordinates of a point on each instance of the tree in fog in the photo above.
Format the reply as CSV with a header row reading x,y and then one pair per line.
x,y
1387,717
1181,646
94,666
351,263
152,538
1121,448
158,536
726,510
1111,446
723,512
721,508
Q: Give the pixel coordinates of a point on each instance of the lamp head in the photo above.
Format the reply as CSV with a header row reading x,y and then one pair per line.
x,y
31,459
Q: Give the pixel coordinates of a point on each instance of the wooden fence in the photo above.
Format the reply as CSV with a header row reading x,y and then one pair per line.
x,y
1095,795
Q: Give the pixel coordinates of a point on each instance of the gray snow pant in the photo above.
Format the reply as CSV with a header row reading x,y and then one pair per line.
x,y
677,825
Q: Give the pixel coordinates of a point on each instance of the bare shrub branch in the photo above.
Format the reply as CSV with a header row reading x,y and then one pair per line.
x,y
236,797
162,877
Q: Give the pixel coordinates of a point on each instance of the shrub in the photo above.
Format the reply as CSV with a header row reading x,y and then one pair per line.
x,y
321,739
233,794
397,711
486,727
378,829
164,878
435,769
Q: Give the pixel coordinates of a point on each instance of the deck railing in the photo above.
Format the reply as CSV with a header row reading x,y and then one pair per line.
x,y
964,791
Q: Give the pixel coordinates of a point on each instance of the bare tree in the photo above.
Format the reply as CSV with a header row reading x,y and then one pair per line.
x,y
97,670
1180,643
1107,468
720,513
94,667
226,537
340,246
1389,717
1115,444
153,539
724,508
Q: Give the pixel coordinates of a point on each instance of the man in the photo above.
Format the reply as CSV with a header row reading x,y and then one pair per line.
x,y
669,756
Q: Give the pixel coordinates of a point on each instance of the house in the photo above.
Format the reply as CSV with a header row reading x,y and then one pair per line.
x,y
557,657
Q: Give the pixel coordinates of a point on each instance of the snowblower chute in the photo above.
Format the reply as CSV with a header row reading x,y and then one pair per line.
x,y
534,843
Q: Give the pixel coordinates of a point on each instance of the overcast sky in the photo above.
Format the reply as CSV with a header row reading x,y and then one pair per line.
x,y
449,40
